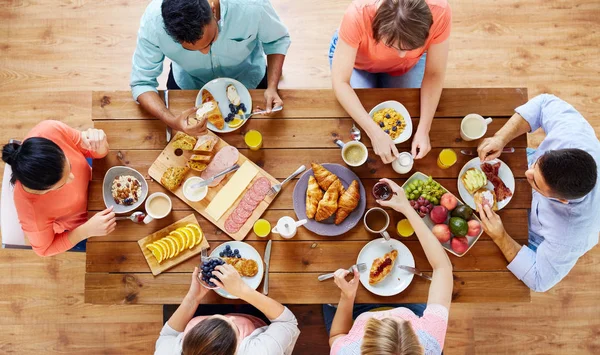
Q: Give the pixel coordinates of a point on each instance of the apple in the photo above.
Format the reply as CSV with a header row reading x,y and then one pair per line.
x,y
441,232
449,201
459,245
474,228
438,214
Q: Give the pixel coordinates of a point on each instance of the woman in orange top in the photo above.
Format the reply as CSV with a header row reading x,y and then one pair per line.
x,y
392,43
50,176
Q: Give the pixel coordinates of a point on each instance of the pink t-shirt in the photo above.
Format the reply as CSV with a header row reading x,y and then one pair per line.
x,y
356,30
245,323
430,329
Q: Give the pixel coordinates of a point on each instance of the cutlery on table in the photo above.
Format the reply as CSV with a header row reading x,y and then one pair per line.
x,y
209,181
169,130
474,151
414,271
267,260
248,115
136,217
275,189
355,133
362,267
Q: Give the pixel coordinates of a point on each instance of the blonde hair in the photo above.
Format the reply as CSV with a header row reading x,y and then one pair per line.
x,y
390,337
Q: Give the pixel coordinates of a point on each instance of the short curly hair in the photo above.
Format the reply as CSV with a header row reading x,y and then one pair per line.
x,y
185,19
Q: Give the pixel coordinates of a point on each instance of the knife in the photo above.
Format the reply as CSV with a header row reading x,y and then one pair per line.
x,y
209,181
267,259
169,129
474,151
414,271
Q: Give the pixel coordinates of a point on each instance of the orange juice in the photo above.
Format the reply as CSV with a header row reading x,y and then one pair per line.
x,y
262,228
446,159
253,139
404,228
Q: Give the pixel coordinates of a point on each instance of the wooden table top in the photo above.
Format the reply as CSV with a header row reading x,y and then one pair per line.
x,y
116,271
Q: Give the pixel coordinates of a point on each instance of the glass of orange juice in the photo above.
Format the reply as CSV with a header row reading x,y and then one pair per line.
x,y
262,228
447,158
253,139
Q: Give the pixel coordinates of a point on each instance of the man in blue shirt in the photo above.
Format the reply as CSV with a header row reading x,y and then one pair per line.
x,y
564,220
207,39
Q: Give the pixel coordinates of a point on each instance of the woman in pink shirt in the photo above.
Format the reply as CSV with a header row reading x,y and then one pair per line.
x,y
397,331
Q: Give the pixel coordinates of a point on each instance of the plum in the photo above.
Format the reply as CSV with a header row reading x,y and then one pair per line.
x,y
438,214
449,201
441,232
474,228
459,245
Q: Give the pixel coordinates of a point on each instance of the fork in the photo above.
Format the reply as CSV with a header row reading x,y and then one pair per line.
x,y
248,115
276,188
362,267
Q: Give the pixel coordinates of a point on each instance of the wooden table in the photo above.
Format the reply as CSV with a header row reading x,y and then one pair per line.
x,y
116,271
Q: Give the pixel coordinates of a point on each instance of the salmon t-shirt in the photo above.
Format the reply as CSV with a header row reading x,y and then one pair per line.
x,y
47,219
356,30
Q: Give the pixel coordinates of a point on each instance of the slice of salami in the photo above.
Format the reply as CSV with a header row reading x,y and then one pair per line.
x,y
262,186
237,218
256,197
242,213
231,226
246,206
249,201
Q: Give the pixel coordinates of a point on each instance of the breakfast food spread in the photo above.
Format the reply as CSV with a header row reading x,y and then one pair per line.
x,y
247,205
485,197
225,158
172,177
473,180
336,200
176,242
390,121
491,171
381,267
183,141
126,190
232,190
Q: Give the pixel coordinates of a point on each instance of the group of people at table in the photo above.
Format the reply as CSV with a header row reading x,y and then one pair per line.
x,y
380,43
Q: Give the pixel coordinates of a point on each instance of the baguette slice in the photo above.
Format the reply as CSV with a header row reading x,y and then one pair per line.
x,y
473,180
484,197
205,144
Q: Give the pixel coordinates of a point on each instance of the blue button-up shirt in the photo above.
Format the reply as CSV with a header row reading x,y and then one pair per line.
x,y
561,232
248,29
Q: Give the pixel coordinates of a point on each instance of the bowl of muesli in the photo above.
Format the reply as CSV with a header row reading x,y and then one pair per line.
x,y
124,188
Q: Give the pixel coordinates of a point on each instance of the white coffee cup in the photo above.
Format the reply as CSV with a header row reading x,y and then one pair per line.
x,y
152,215
383,230
478,126
349,145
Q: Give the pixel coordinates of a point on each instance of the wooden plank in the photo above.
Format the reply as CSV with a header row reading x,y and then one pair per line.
x,y
289,133
279,163
290,257
294,288
515,222
284,201
495,102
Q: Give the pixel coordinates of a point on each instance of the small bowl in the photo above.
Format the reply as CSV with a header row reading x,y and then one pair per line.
x,y
191,181
398,107
107,188
202,282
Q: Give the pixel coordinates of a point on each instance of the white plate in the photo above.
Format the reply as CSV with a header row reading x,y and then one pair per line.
x,y
504,173
217,87
398,280
247,252
405,135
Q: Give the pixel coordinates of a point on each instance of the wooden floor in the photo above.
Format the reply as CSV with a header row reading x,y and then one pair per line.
x,y
51,51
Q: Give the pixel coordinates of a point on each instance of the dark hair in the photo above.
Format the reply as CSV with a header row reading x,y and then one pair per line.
x,y
185,19
402,23
38,163
570,173
213,336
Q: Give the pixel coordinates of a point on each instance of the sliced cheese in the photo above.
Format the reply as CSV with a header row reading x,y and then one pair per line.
x,y
231,191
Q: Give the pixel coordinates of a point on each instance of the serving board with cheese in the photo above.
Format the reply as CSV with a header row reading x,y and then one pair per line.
x,y
235,203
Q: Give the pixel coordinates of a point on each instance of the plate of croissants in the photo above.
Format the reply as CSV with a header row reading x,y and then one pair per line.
x,y
331,197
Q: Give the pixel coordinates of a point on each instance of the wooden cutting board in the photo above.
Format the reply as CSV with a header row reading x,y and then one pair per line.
x,y
168,158
185,254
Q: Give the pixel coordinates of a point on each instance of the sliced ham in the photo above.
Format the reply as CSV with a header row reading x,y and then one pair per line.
x,y
224,159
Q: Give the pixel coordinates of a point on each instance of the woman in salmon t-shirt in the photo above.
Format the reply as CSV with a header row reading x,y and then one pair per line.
x,y
392,43
50,174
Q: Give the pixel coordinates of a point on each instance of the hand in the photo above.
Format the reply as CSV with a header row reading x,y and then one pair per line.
x,y
102,223
348,288
190,125
398,202
231,281
383,146
491,222
421,143
93,139
272,100
490,148
196,292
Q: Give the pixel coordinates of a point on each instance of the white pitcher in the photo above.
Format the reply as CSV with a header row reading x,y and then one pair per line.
x,y
287,226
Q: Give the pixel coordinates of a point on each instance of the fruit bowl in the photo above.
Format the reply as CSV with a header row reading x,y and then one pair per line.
x,y
452,220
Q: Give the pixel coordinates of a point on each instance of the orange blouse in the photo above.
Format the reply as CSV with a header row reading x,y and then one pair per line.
x,y
47,219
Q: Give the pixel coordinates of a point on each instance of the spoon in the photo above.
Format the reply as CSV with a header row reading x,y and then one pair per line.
x,y
248,115
355,133
136,217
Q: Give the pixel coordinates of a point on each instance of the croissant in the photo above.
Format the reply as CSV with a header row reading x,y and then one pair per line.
x,y
325,177
328,205
347,202
314,194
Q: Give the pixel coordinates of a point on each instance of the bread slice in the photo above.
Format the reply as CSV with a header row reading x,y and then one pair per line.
x,y
205,144
173,177
473,180
201,158
183,141
484,197
196,165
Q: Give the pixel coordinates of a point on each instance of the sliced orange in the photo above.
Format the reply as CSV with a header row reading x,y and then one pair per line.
x,y
165,246
173,246
177,244
156,252
184,237
189,237
198,234
180,238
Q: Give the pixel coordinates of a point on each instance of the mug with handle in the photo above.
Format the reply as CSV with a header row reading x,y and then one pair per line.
x,y
473,116
382,231
150,216
345,146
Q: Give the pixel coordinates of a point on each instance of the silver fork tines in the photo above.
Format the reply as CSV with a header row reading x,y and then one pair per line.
x,y
362,267
276,188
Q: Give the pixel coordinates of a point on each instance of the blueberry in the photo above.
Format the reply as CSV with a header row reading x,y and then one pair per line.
x,y
398,122
387,131
238,256
231,106
237,251
228,247
381,124
394,128
211,284
387,115
221,254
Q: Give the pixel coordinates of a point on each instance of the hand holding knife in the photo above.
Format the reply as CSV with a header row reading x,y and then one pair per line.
x,y
473,152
